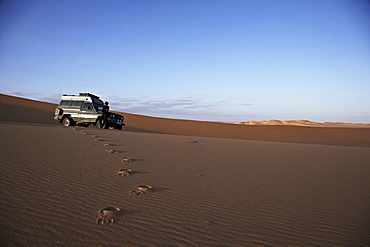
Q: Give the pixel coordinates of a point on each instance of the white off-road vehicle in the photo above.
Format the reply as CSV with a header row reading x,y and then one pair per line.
x,y
86,109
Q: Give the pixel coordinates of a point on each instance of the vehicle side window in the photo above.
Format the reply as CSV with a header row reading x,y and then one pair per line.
x,y
65,103
76,104
87,107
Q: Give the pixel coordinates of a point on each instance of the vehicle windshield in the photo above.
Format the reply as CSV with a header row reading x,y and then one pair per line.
x,y
98,105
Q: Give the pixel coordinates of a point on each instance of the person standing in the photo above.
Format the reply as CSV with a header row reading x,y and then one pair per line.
x,y
104,119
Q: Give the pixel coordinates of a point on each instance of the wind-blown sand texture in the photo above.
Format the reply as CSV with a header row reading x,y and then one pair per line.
x,y
208,190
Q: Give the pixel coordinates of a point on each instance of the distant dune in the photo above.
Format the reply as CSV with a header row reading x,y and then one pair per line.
x,y
205,184
305,123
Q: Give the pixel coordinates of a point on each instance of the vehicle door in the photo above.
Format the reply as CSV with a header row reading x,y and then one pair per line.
x,y
88,114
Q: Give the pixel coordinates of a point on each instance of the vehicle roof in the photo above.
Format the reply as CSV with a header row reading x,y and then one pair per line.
x,y
82,97
75,97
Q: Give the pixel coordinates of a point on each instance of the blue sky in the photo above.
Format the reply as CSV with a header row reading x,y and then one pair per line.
x,y
213,60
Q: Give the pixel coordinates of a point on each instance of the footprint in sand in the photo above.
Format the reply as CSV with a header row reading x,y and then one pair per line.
x,y
96,138
125,159
136,193
107,145
124,172
112,151
107,215
141,190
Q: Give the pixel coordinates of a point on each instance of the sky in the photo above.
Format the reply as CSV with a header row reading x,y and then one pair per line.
x,y
208,60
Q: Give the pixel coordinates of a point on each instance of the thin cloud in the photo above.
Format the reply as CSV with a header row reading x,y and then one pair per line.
x,y
55,98
195,108
161,105
173,108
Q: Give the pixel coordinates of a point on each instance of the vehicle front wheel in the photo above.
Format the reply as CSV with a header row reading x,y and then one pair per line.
x,y
67,122
99,124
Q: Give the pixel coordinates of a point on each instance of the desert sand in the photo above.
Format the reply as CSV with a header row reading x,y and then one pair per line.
x,y
195,183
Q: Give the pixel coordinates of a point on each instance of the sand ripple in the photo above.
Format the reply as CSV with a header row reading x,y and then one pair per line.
x,y
220,193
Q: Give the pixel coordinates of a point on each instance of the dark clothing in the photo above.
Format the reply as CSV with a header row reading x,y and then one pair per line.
x,y
104,119
105,109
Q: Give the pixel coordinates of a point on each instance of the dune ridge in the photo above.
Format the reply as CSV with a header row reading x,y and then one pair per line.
x,y
207,190
276,133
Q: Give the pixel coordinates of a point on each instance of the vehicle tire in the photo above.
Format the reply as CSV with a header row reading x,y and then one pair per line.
x,y
67,121
119,127
98,124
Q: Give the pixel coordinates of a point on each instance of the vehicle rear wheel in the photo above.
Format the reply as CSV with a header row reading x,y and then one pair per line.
x,y
67,121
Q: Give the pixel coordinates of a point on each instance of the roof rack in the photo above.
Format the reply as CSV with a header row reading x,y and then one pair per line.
x,y
84,95
89,95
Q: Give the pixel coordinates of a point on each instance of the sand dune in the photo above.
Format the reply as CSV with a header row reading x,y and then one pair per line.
x,y
304,123
207,191
15,109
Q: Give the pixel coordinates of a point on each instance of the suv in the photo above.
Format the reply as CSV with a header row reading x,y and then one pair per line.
x,y
85,109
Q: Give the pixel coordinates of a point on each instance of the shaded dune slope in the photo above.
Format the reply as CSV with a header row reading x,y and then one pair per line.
x,y
15,109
